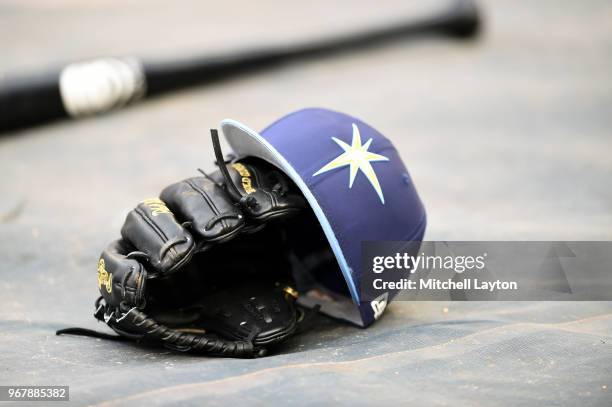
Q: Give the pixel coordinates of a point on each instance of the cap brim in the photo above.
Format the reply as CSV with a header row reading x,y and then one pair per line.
x,y
247,142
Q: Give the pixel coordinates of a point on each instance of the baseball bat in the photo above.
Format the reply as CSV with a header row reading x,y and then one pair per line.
x,y
101,85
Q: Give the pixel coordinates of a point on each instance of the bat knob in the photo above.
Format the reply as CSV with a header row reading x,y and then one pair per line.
x,y
464,19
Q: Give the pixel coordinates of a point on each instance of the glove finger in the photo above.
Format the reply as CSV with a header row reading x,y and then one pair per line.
x,y
152,229
120,280
211,212
266,192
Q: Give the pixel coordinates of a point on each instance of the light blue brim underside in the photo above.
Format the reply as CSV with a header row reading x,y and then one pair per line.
x,y
246,142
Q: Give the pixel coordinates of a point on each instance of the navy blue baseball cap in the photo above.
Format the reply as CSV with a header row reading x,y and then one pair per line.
x,y
355,182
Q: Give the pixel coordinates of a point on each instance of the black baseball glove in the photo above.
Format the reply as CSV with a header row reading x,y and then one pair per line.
x,y
203,268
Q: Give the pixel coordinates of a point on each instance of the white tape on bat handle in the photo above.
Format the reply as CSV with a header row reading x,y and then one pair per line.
x,y
101,85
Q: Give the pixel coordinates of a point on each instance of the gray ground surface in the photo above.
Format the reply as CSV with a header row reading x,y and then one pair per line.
x,y
506,138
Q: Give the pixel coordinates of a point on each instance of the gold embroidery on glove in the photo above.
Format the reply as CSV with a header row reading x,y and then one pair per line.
x,y
104,278
157,206
246,177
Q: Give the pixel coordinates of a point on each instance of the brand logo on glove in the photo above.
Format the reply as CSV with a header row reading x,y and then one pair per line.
x,y
246,177
157,206
104,278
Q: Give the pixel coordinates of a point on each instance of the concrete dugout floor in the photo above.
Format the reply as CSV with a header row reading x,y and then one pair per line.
x,y
508,137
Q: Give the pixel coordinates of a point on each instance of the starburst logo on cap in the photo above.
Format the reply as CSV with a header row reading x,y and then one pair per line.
x,y
358,158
